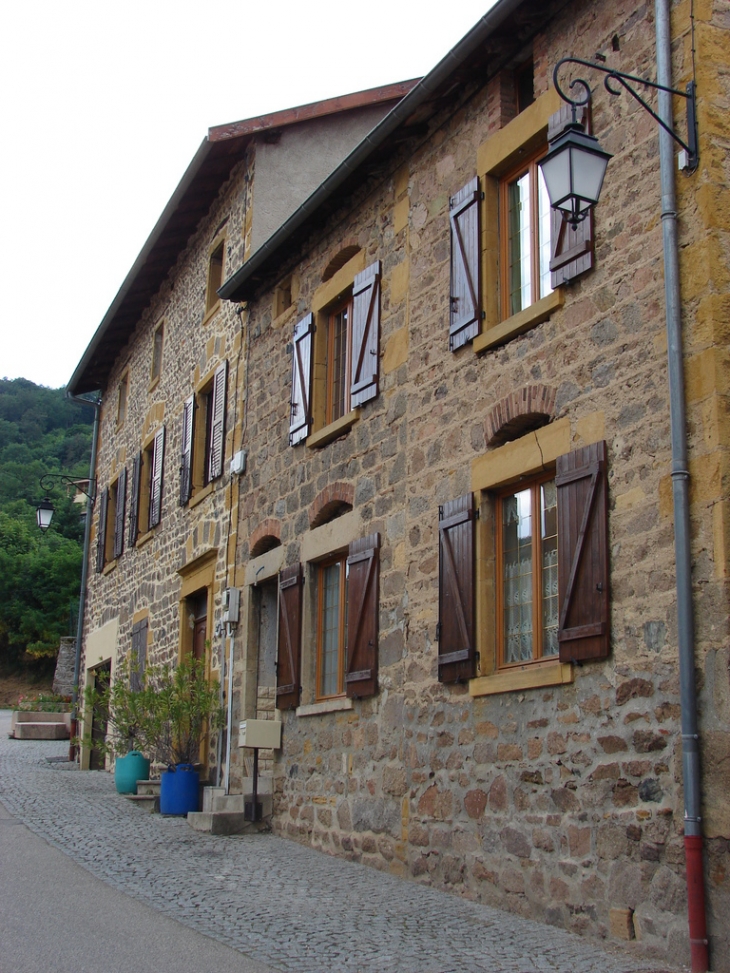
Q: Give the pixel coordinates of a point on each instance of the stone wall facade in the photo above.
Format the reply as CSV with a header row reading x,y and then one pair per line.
x,y
561,801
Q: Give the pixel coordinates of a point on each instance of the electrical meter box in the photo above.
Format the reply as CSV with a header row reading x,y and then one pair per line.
x,y
260,733
231,605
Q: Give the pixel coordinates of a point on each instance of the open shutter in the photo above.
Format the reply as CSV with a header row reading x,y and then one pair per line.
x,y
120,512
456,627
217,421
101,535
465,314
139,655
361,674
158,456
300,422
134,500
288,663
571,251
583,578
186,451
365,335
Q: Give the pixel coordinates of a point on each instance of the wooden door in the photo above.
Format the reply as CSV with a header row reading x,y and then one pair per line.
x,y
99,717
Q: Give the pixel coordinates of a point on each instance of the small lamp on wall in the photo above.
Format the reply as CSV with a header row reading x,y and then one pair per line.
x,y
44,514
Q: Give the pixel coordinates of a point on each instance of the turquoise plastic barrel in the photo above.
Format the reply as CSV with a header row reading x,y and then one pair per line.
x,y
179,790
128,770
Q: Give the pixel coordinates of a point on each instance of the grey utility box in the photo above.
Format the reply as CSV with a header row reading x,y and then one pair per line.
x,y
260,733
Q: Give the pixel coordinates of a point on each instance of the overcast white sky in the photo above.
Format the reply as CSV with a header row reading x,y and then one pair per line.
x,y
104,105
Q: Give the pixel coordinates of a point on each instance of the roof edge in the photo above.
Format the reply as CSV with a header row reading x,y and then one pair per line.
x,y
235,289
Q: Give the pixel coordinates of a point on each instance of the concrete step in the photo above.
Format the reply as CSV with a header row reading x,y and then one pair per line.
x,y
223,822
41,731
148,787
149,802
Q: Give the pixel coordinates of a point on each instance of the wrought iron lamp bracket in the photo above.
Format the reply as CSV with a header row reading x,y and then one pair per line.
x,y
626,82
47,480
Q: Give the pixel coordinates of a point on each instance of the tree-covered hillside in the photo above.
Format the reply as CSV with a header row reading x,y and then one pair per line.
x,y
41,431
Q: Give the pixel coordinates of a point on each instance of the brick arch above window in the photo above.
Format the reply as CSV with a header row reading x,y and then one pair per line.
x,y
265,537
345,254
520,411
334,500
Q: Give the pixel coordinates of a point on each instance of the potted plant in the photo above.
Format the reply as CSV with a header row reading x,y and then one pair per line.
x,y
129,728
184,707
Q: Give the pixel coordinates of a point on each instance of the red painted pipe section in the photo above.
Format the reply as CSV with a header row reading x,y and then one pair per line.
x,y
696,903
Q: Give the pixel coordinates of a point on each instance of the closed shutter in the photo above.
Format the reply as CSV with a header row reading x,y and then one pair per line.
x,y
134,500
288,663
571,250
361,672
456,626
365,335
139,655
300,422
119,513
158,456
465,313
101,536
583,578
186,451
217,421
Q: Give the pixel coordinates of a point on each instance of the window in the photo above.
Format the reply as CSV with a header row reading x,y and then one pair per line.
x,y
138,659
524,82
157,343
341,627
331,627
525,221
527,573
215,276
122,399
110,537
145,502
283,297
203,435
543,570
336,354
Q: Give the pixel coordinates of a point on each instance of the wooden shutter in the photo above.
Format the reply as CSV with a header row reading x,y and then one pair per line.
x,y
361,671
119,512
571,251
134,500
465,313
139,655
217,421
186,451
456,626
300,422
365,335
288,663
583,578
101,536
158,456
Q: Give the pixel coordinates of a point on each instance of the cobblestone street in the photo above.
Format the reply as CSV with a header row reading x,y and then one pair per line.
x,y
271,899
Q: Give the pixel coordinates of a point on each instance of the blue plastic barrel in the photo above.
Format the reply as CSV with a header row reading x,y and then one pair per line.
x,y
179,790
128,770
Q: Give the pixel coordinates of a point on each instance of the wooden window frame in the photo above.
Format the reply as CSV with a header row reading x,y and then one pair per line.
x,y
339,559
215,277
144,487
337,406
204,426
533,484
527,166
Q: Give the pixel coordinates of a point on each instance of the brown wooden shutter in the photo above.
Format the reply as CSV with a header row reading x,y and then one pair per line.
x,y
217,421
139,655
465,314
571,251
119,512
365,335
583,576
288,663
456,626
361,672
186,451
301,384
101,536
158,456
134,500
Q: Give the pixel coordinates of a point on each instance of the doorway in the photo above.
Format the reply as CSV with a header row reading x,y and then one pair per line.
x,y
100,716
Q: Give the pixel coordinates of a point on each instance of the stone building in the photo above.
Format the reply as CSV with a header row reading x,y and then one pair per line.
x,y
428,366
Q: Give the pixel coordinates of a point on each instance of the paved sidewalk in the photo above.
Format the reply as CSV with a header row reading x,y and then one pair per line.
x,y
271,899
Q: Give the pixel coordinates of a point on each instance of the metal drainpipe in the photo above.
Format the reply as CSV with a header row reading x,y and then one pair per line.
x,y
96,405
680,489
